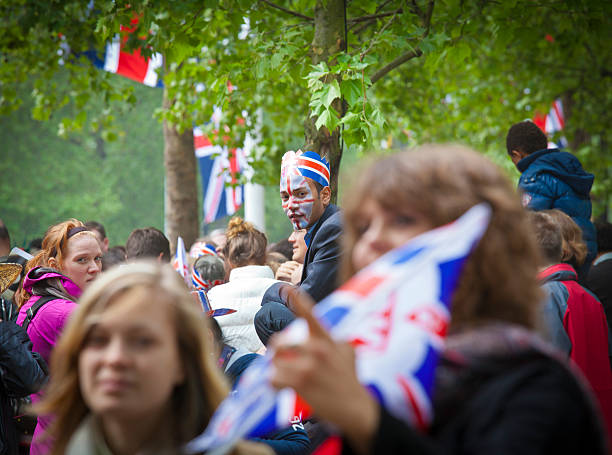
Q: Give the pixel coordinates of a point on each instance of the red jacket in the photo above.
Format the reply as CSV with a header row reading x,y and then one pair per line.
x,y
584,321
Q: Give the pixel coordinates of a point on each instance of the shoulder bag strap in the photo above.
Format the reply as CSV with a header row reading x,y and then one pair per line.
x,y
34,309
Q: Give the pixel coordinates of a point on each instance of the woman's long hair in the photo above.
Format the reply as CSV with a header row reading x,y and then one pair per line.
x,y
441,182
54,245
192,402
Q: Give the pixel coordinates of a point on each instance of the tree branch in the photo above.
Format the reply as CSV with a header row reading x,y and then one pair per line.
x,y
395,63
288,11
372,17
370,22
380,32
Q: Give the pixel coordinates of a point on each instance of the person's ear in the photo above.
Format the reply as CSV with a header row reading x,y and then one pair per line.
x,y
516,156
106,243
325,195
160,258
53,263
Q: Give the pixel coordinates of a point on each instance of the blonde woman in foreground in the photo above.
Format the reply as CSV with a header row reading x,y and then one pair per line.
x,y
132,372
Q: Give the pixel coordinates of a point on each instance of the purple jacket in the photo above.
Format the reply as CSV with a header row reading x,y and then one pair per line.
x,y
44,330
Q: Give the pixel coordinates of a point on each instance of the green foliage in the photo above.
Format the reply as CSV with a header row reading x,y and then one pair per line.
x,y
412,72
47,179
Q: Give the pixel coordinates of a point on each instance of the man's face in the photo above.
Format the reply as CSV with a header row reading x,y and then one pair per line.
x,y
300,200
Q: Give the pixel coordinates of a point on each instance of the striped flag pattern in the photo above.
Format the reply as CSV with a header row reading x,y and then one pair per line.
x,y
552,123
179,262
219,169
395,313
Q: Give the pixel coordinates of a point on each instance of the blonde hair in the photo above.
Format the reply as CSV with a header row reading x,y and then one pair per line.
x,y
193,402
441,182
54,245
574,249
245,244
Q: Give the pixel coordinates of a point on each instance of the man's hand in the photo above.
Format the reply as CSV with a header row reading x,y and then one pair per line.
x,y
288,271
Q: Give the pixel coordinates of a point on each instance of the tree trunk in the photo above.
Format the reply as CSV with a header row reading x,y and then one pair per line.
x,y
181,199
328,40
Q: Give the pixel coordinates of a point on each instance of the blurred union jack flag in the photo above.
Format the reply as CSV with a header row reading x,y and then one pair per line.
x,y
219,169
179,262
395,313
552,123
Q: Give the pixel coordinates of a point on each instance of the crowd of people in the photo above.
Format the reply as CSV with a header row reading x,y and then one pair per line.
x,y
114,353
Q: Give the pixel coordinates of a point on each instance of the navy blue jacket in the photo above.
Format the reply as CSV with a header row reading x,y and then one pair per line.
x,y
322,261
552,179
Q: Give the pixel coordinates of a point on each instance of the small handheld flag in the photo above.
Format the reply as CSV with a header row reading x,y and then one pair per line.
x,y
180,260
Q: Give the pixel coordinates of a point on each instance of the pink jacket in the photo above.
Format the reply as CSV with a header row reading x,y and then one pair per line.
x,y
44,330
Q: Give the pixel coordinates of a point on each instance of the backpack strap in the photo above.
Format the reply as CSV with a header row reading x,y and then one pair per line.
x,y
34,309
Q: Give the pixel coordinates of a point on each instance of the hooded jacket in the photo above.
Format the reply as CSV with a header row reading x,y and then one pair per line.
x,y
46,327
552,179
572,311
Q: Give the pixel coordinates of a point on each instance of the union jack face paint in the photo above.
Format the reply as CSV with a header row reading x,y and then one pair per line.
x,y
296,194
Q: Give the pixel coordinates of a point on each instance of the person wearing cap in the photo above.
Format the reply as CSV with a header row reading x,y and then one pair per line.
x,y
305,197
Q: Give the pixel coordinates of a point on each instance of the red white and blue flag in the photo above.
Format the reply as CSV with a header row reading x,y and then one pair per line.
x,y
552,123
179,262
219,169
395,313
132,65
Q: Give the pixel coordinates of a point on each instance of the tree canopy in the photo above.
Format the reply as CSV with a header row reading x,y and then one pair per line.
x,y
329,74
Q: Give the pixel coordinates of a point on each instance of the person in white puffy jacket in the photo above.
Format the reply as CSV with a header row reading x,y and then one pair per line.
x,y
249,278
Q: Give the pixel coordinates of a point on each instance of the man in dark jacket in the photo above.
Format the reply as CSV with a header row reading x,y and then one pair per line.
x,y
305,197
552,179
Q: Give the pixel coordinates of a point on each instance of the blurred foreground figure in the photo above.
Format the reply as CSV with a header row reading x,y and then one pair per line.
x,y
133,371
498,387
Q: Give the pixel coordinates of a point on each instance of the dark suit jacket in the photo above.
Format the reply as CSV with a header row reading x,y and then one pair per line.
x,y
322,261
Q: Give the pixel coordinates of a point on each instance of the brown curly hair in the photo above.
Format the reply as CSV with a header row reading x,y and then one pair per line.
x,y
245,244
441,182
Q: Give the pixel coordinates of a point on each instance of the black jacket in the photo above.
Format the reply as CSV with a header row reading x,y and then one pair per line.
x,y
22,372
512,397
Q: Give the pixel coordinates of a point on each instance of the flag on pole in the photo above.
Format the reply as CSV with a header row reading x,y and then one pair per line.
x,y
219,169
179,262
395,313
552,123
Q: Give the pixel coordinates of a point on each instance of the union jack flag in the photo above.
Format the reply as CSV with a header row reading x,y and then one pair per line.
x,y
131,65
552,123
180,260
395,313
201,248
219,168
202,299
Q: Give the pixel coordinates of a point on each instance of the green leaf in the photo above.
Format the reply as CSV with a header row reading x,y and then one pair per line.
x,y
351,91
332,93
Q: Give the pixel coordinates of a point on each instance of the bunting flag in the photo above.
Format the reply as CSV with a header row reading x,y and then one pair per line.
x,y
219,169
552,123
179,262
395,313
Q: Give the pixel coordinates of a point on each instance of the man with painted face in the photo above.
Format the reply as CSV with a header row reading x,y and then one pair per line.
x,y
305,197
